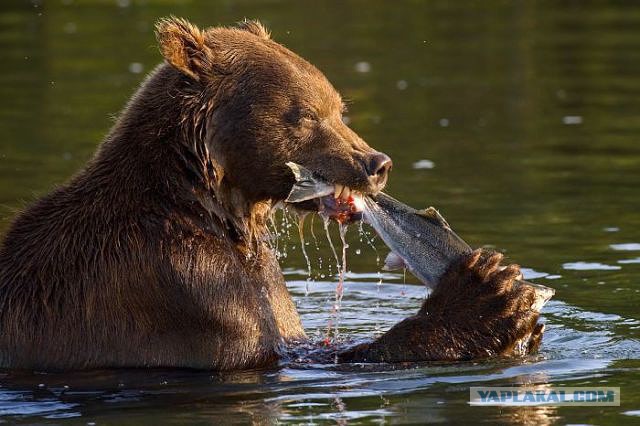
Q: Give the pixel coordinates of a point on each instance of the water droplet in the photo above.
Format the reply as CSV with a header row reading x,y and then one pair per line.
x,y
572,120
363,67
423,165
70,28
136,67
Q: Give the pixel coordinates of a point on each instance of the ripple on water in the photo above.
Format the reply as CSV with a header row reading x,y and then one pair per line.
x,y
589,266
629,261
532,274
14,404
625,246
578,345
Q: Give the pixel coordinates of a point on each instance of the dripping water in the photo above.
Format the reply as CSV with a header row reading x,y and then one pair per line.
x,y
325,221
364,237
315,242
334,320
285,225
343,266
301,217
274,236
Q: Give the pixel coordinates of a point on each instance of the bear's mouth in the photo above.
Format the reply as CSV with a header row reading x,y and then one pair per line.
x,y
343,209
311,192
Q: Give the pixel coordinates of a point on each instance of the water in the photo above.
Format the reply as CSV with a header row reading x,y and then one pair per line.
x,y
528,114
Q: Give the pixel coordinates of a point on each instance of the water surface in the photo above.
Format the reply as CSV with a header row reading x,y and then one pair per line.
x,y
518,120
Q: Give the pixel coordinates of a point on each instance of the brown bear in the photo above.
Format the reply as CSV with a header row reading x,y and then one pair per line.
x,y
155,254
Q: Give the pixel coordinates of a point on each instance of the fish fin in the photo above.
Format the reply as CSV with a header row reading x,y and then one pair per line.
x,y
433,216
393,262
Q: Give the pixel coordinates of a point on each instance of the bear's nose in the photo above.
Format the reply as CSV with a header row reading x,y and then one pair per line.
x,y
378,166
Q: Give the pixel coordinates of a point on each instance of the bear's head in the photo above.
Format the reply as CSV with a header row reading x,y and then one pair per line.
x,y
256,106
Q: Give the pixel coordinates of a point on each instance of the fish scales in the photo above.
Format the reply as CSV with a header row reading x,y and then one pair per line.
x,y
418,237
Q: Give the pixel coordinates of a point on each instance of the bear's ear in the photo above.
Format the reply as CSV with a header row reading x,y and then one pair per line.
x,y
183,45
254,27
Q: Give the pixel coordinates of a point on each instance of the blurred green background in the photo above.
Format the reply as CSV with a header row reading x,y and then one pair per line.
x,y
529,111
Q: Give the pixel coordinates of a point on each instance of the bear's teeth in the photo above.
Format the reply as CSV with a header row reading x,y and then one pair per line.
x,y
338,190
346,193
342,192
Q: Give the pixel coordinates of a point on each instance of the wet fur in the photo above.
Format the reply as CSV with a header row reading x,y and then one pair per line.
x,y
155,254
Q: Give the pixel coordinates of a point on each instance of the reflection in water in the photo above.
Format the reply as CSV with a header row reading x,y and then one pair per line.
x,y
518,120
532,415
541,416
626,247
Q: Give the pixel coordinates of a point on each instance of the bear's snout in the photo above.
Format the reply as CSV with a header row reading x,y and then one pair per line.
x,y
378,165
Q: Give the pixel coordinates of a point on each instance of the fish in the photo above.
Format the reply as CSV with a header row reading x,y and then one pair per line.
x,y
420,240
423,242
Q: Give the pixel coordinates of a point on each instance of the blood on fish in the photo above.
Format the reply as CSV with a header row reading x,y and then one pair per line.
x,y
342,211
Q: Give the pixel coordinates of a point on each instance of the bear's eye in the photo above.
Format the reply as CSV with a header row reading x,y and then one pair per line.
x,y
301,116
306,114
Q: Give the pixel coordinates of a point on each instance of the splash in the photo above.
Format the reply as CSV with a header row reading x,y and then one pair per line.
x,y
333,324
364,237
